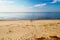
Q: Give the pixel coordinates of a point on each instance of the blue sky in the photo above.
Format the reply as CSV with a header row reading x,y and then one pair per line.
x,y
29,5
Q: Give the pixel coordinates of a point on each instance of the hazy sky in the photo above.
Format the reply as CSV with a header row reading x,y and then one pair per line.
x,y
29,5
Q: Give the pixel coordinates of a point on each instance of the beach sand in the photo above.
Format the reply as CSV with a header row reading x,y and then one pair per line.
x,y
28,29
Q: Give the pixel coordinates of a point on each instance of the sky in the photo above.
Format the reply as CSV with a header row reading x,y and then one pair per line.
x,y
29,5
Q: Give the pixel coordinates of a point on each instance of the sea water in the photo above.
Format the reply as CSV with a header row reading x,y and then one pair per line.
x,y
29,15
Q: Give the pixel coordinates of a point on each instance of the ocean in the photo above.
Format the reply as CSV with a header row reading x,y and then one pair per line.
x,y
29,15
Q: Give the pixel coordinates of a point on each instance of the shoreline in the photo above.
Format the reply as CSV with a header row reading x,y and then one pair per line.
x,y
27,20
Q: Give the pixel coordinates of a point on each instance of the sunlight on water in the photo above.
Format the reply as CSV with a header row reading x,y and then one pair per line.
x,y
29,15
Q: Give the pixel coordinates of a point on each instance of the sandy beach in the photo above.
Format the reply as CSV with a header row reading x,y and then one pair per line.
x,y
27,29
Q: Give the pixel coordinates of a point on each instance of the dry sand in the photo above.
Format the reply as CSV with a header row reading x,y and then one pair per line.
x,y
24,29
